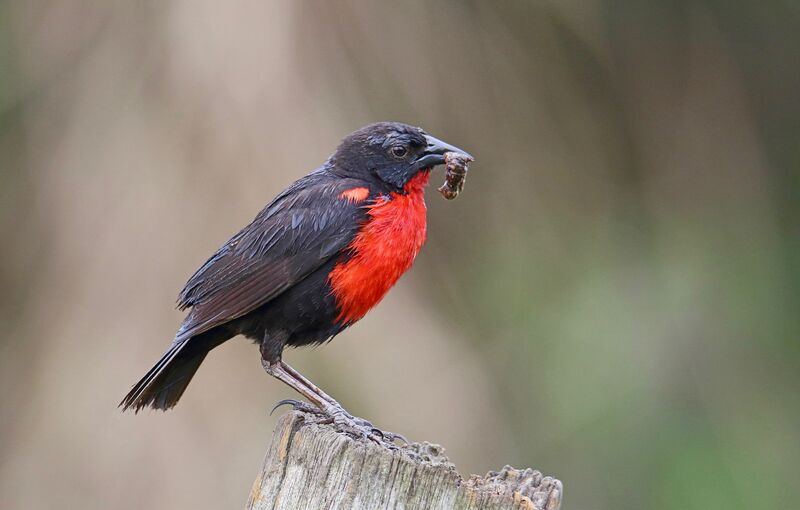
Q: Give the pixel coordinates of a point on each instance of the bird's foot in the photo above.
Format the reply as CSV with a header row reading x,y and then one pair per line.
x,y
346,423
362,429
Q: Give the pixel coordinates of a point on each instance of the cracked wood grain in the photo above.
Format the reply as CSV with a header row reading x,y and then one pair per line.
x,y
312,466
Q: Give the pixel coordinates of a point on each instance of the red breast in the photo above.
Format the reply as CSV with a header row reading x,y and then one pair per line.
x,y
382,251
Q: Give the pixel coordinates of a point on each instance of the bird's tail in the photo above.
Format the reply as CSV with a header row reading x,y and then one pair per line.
x,y
163,385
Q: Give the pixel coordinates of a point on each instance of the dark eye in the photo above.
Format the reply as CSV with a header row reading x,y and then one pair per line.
x,y
399,151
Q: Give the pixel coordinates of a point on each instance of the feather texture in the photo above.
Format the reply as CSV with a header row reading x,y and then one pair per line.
x,y
288,240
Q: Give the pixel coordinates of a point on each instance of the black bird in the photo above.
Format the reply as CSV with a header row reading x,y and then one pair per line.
x,y
311,263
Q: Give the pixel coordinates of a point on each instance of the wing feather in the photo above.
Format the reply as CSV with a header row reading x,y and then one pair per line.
x,y
294,235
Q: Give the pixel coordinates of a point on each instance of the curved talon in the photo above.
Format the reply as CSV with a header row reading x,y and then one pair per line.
x,y
401,437
384,441
284,402
296,405
392,436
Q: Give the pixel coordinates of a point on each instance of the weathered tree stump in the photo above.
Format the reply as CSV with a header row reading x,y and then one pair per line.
x,y
312,466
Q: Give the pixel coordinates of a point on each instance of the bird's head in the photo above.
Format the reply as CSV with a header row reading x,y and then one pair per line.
x,y
391,152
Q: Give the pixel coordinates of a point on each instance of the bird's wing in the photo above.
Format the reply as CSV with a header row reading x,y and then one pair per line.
x,y
295,234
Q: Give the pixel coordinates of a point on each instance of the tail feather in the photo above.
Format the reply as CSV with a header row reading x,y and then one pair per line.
x,y
162,386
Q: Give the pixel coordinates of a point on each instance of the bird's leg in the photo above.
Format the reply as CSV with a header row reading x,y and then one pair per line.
x,y
283,372
333,409
316,389
326,405
271,348
311,386
390,436
276,370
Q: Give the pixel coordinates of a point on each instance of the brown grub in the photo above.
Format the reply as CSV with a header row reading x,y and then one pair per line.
x,y
455,174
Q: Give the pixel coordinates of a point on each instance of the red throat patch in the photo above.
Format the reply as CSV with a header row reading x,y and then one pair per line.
x,y
383,250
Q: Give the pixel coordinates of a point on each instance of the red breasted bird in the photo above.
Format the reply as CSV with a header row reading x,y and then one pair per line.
x,y
311,263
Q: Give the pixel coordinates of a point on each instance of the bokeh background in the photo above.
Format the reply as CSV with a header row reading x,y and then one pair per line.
x,y
613,299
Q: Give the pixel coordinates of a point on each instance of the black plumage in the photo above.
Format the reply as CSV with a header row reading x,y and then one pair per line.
x,y
270,282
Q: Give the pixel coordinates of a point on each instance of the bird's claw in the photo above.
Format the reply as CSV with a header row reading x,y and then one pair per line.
x,y
391,436
360,428
297,405
357,428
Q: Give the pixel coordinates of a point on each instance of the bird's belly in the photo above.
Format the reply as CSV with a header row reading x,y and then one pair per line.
x,y
381,252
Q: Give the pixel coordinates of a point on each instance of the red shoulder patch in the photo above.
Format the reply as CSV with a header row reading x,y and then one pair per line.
x,y
354,195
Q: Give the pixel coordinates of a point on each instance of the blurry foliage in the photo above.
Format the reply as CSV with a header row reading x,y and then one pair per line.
x,y
621,273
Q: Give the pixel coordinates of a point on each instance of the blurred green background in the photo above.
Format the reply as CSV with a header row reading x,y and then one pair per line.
x,y
612,300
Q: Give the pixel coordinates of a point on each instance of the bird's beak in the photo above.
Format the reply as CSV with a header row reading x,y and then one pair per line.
x,y
434,153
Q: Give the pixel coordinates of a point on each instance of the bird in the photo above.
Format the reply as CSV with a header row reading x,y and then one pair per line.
x,y
312,263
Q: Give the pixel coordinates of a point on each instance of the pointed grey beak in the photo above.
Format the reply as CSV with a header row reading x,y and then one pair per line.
x,y
434,153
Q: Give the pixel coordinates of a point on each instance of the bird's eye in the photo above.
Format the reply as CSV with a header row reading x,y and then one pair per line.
x,y
399,151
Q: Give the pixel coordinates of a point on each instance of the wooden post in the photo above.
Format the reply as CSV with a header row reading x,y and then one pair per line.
x,y
312,466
